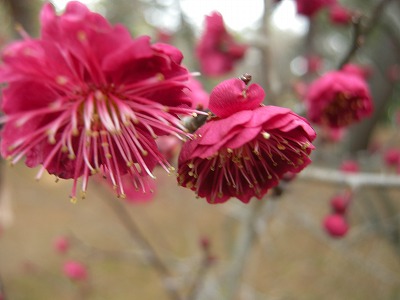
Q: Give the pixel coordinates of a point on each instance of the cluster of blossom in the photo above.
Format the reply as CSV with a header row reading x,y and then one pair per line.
x,y
338,99
336,223
338,14
72,269
217,50
391,157
86,98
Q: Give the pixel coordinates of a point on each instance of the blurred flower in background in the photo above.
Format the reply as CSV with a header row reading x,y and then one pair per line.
x,y
75,270
217,50
338,99
309,8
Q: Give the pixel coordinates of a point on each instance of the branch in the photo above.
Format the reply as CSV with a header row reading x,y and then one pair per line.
x,y
152,257
358,40
352,180
267,75
242,247
2,290
361,33
354,257
197,283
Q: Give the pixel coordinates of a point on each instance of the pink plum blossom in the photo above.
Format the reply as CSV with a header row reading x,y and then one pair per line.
x,y
340,15
391,156
336,225
135,194
333,134
393,73
340,202
197,94
217,50
363,72
300,89
309,8
314,63
246,149
338,99
75,270
169,146
163,36
349,166
85,98
61,244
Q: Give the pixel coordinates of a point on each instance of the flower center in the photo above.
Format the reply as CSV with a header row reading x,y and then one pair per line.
x,y
247,170
343,110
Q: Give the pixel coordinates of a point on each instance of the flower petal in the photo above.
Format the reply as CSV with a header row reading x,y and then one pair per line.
x,y
234,95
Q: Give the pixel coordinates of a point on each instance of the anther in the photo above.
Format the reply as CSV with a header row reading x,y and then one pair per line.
x,y
81,35
266,135
61,80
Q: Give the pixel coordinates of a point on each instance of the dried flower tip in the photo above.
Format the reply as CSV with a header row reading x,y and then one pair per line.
x,y
246,78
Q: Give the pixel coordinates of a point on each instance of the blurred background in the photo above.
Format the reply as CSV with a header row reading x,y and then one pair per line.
x,y
289,254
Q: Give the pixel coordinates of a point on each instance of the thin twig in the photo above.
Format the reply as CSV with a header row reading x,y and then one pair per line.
x,y
358,40
267,71
243,245
151,255
2,290
362,32
94,251
354,257
206,262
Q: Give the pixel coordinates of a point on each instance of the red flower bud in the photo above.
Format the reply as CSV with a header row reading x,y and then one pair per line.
x,y
336,225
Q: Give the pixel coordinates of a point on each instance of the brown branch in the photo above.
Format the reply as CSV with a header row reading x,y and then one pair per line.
x,y
362,32
2,290
267,68
151,255
358,40
206,262
241,249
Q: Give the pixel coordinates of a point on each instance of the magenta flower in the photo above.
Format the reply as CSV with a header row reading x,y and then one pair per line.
x,y
349,166
391,157
338,99
340,202
314,63
87,98
309,8
75,270
138,190
197,94
359,70
340,15
216,50
333,135
246,149
61,244
336,225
